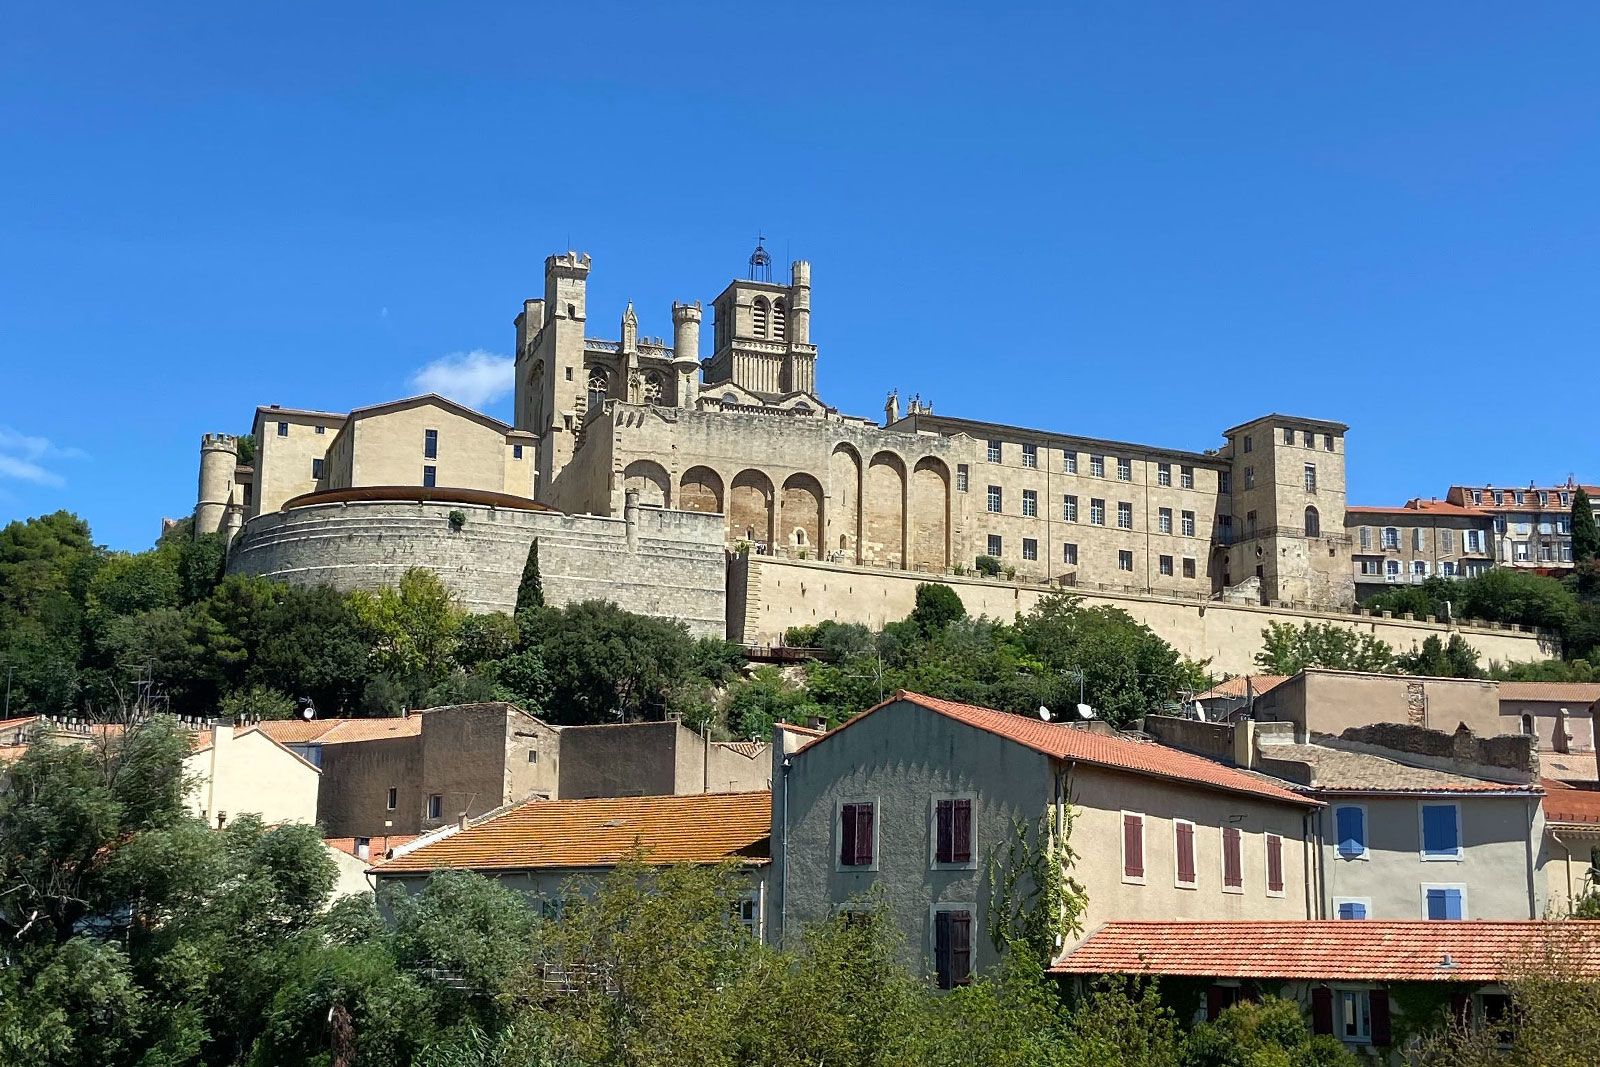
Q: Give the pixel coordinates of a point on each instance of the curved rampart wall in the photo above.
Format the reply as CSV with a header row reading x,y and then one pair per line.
x,y
660,562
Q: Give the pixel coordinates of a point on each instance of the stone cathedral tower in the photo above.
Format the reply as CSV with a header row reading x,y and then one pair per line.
x,y
762,339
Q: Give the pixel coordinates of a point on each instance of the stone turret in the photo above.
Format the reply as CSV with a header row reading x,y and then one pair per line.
x,y
800,302
219,456
686,351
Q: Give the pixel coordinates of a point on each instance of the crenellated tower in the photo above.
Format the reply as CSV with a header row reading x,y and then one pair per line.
x,y
219,458
551,382
762,335
686,352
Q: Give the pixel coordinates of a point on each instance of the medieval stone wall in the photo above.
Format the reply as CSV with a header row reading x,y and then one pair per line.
x,y
667,563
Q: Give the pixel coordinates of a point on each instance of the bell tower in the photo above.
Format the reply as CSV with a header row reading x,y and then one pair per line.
x,y
550,377
761,332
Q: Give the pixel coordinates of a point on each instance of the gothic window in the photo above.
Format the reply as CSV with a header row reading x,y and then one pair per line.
x,y
760,314
599,389
1313,523
777,319
652,388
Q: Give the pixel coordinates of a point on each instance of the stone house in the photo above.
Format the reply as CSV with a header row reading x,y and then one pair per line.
x,y
1532,523
905,806
1572,844
1320,701
247,772
1559,714
1425,539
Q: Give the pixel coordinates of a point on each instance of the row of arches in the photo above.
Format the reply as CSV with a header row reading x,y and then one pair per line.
x,y
873,510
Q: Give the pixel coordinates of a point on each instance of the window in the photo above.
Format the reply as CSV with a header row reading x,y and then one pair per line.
x,y
1188,567
1030,548
1248,443
1566,499
1133,847
1225,529
435,805
1069,462
1444,901
747,912
1030,503
1163,474
1441,831
1186,478
1447,569
1313,523
316,468
1225,482
1354,1014
994,545
429,476
952,831
1311,477
1327,442
1124,515
1164,520
1419,567
1183,854
1124,470
1519,497
857,835
760,315
1187,528
952,947
1544,499
1069,554
1499,498
1232,860
1288,436
994,451
249,494
1365,537
1124,561
1097,466
1165,564
1447,541
1351,907
394,797
1519,551
777,318
516,451
1391,538
962,475
1069,508
1097,511
569,369
599,389
430,444
1030,455
1274,865
1249,477
1370,566
533,755
1392,568
994,498
1249,524
283,429
1350,825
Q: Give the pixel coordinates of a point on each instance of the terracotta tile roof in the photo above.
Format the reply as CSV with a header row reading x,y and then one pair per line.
x,y
1570,766
1421,507
1564,804
1339,770
339,731
1234,687
376,845
1580,693
1086,746
792,728
700,828
747,749
1347,950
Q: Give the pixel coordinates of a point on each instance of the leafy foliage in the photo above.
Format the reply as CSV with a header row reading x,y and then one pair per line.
x,y
530,590
937,605
1286,649
1585,535
1454,658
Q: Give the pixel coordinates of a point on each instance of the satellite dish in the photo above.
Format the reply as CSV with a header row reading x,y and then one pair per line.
x,y
1085,711
1044,713
308,714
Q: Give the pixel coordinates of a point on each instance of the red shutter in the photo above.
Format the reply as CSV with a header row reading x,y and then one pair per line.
x,y
961,843
1133,846
960,947
1322,1010
944,843
1232,873
847,835
1381,1034
864,835
1217,1000
1185,852
1274,863
941,948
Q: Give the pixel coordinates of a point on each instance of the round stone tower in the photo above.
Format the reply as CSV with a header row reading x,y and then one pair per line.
x,y
219,455
800,302
686,351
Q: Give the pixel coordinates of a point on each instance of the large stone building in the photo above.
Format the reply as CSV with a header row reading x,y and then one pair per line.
x,y
1532,525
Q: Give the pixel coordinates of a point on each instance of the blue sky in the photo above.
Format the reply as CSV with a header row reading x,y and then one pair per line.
x,y
1138,221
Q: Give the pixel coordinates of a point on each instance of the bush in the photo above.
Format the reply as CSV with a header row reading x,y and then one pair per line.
x,y
987,566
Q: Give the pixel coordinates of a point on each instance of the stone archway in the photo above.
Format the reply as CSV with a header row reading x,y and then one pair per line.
x,y
700,489
844,505
800,515
884,524
929,521
651,481
750,509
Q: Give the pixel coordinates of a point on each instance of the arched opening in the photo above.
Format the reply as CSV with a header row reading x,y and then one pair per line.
x,y
650,480
1527,724
1313,523
800,509
760,317
884,526
844,513
599,389
930,515
750,508
700,489
654,387
777,319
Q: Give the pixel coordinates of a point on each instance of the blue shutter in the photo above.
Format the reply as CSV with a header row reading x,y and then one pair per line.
x,y
1352,834
1452,903
1436,904
1352,910
1440,835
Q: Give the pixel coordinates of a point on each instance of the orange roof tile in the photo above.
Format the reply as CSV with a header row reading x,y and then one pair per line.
x,y
1086,746
1234,687
1579,693
1569,766
700,828
347,845
339,731
1564,804
1419,506
1340,950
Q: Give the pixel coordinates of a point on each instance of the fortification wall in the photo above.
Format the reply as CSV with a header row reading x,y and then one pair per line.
x,y
671,563
767,596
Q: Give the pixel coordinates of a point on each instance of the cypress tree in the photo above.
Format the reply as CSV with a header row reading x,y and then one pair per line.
x,y
530,591
1585,537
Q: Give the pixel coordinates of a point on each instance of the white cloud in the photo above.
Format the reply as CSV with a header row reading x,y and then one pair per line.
x,y
473,378
24,458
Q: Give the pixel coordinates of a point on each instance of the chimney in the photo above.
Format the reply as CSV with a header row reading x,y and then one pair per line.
x,y
461,821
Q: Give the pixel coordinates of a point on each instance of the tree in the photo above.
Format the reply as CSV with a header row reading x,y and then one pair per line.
x,y
1585,535
937,604
530,591
1269,1031
1287,650
1440,659
256,702
412,627
604,663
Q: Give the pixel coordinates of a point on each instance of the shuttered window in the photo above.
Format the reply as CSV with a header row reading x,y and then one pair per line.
x,y
953,831
1132,845
952,947
1183,837
855,835
1274,864
1232,867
